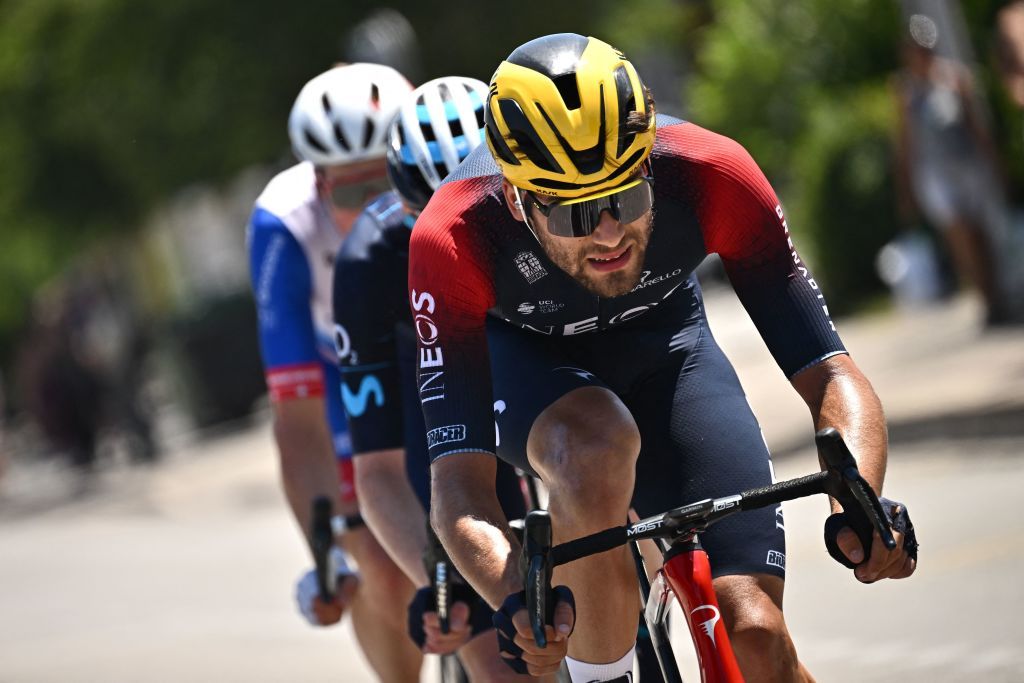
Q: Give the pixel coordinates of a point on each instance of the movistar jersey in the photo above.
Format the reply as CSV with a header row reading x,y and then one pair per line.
x,y
373,325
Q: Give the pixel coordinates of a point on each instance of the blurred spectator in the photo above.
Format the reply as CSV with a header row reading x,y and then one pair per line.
x,y
948,163
58,390
80,369
1010,31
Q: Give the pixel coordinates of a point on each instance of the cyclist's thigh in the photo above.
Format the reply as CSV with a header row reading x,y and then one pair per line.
x,y
417,458
529,373
701,440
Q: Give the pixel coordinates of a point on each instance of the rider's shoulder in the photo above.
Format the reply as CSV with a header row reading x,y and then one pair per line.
x,y
385,211
381,225
703,155
291,191
686,141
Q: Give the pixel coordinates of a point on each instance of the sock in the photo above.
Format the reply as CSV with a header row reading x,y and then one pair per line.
x,y
615,672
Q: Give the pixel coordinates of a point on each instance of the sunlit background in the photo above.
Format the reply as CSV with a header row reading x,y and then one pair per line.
x,y
135,136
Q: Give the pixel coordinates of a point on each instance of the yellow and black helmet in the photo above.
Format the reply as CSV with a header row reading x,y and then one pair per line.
x,y
556,116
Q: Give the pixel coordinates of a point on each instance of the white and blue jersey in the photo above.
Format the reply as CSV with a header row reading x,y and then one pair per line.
x,y
292,242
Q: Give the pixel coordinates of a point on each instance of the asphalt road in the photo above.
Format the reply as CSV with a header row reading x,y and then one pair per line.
x,y
184,572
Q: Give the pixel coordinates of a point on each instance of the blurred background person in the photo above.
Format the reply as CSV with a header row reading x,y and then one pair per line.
x,y
58,387
338,129
1010,47
948,165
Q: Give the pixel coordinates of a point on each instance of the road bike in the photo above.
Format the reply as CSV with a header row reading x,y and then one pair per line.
x,y
685,574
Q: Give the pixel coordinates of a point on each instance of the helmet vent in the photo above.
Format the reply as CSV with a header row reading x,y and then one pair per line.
x,y
325,102
339,135
589,160
499,146
569,89
428,132
444,92
627,103
526,137
368,132
374,96
313,142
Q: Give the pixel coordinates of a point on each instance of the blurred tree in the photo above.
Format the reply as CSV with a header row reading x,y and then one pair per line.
x,y
803,86
112,106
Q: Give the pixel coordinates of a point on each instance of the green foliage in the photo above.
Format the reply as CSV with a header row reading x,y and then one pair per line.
x,y
112,106
843,195
803,86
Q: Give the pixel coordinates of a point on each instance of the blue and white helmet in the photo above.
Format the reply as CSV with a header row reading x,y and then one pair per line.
x,y
342,115
437,126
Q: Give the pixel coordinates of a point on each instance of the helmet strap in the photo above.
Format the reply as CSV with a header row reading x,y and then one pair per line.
x,y
524,212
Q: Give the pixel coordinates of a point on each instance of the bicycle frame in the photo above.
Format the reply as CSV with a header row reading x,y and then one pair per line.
x,y
686,575
686,571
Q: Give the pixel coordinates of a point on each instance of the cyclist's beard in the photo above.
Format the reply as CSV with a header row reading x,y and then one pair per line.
x,y
571,255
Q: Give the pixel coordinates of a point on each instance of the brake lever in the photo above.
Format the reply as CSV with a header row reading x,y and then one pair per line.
x,y
438,566
863,510
321,540
537,573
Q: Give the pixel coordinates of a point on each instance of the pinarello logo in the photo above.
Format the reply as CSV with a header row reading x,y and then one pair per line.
x,y
708,625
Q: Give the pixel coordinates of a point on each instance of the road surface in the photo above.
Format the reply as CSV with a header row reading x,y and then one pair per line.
x,y
184,572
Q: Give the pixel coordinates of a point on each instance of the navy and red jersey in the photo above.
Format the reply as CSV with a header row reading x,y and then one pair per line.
x,y
372,324
469,258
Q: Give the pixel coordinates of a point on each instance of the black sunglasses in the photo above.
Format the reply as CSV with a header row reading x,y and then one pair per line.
x,y
580,217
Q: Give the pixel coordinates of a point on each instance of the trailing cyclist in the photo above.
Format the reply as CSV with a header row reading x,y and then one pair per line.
x,y
437,126
338,128
552,275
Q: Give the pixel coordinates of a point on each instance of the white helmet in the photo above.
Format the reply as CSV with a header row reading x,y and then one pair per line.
x,y
437,127
342,115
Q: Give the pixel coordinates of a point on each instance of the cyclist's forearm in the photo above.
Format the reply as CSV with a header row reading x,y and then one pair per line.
x,y
840,396
476,535
308,467
392,511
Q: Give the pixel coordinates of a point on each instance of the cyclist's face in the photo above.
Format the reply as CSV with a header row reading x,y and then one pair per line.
x,y
608,262
346,189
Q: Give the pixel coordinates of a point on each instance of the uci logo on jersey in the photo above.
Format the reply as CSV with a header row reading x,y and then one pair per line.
x,y
355,404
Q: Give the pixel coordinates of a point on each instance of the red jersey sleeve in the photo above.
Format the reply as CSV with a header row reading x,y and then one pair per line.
x,y
742,221
450,291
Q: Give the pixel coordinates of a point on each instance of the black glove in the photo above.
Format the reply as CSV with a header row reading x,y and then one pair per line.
x,y
507,630
899,521
480,613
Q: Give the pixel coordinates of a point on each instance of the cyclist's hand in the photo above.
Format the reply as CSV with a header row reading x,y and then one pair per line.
x,y
469,616
438,643
307,595
882,563
515,637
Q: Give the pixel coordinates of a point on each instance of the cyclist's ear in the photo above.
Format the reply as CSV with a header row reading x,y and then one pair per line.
x,y
515,206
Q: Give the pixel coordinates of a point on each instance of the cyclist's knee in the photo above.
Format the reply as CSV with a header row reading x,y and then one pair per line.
x,y
751,607
585,445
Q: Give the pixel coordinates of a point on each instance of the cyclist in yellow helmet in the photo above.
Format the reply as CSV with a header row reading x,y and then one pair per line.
x,y
561,329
